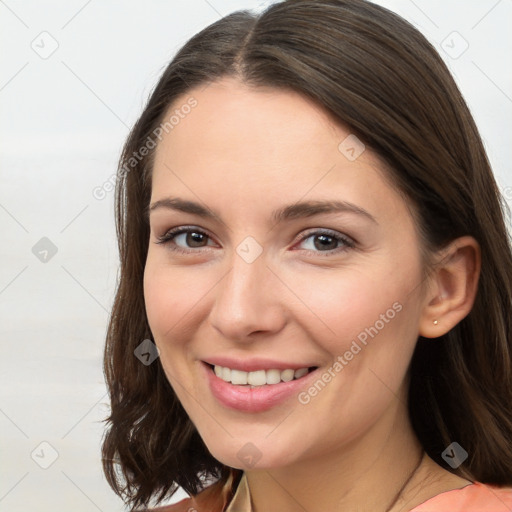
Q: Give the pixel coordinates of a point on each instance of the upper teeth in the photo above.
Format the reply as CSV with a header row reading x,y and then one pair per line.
x,y
259,377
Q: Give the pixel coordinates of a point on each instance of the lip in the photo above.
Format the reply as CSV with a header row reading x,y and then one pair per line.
x,y
258,399
254,364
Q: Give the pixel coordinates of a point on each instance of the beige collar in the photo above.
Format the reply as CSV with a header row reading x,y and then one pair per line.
x,y
241,501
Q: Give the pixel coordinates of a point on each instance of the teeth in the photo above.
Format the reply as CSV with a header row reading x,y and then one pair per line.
x,y
273,376
237,377
300,373
287,375
259,377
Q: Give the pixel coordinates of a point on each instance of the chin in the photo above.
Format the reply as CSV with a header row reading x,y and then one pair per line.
x,y
247,454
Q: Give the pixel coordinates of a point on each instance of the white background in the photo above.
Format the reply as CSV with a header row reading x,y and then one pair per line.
x,y
64,120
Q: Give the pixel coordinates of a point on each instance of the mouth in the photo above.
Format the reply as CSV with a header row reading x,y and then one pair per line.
x,y
257,384
259,378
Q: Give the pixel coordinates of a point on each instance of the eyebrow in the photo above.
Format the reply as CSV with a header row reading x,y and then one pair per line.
x,y
293,211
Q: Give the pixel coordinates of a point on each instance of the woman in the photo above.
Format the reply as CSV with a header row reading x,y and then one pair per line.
x,y
313,310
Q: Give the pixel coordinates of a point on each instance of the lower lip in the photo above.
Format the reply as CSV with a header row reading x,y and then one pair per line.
x,y
258,399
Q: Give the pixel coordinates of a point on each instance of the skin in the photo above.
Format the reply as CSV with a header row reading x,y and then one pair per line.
x,y
244,152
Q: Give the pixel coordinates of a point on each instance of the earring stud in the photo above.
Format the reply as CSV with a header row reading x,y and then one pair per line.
x,y
435,322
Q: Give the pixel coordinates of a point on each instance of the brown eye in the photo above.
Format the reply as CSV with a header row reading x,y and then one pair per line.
x,y
184,239
195,239
326,242
322,242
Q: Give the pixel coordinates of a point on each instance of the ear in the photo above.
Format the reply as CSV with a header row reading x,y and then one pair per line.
x,y
451,288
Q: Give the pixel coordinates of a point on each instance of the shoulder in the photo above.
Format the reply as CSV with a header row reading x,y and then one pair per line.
x,y
476,497
185,505
214,499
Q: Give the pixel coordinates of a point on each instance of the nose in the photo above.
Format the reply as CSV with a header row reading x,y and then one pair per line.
x,y
248,301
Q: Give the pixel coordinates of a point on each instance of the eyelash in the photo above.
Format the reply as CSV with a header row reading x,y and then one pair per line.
x,y
170,235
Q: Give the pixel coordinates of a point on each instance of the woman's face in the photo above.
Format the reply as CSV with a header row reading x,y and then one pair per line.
x,y
298,254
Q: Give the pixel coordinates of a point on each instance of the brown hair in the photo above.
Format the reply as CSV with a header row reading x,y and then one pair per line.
x,y
375,73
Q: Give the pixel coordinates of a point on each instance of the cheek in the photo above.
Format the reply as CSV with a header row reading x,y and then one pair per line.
x,y
168,301
369,320
171,296
159,299
166,308
342,304
370,315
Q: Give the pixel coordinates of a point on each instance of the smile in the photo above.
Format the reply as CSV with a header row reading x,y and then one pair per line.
x,y
258,390
259,377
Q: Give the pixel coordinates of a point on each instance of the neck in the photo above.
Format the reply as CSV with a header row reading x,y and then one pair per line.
x,y
367,473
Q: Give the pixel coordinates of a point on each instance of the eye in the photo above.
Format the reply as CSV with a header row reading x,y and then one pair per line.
x,y
184,239
326,241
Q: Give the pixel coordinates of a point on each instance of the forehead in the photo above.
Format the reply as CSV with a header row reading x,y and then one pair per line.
x,y
264,146
229,105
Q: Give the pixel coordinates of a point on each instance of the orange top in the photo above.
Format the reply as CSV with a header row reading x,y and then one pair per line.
x,y
475,497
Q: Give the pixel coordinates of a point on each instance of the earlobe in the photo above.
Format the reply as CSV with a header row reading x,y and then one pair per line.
x,y
452,287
